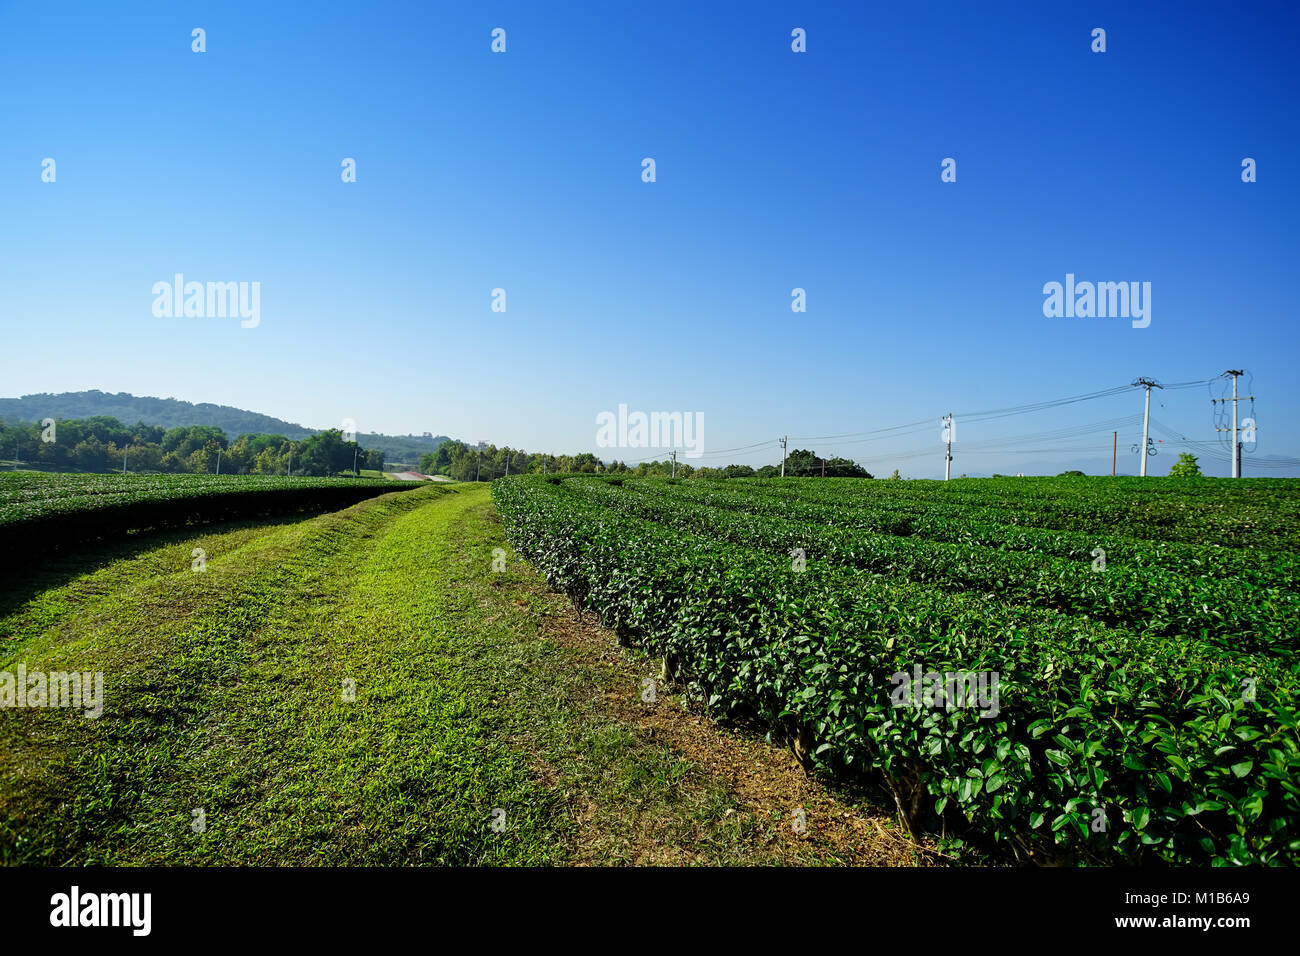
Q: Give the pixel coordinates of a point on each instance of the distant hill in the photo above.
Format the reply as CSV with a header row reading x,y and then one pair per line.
x,y
129,409
173,413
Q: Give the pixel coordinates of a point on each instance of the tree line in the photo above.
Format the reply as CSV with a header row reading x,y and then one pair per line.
x,y
462,462
100,443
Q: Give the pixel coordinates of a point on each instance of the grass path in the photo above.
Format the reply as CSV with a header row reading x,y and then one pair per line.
x,y
490,724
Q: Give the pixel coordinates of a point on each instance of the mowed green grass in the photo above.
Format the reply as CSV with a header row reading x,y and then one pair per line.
x,y
224,693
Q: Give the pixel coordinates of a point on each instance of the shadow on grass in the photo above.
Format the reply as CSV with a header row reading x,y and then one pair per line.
x,y
19,583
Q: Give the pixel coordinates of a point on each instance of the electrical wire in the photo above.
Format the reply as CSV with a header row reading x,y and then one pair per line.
x,y
1005,445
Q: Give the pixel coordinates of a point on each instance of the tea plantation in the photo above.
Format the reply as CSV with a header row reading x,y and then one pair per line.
x,y
44,512
1133,642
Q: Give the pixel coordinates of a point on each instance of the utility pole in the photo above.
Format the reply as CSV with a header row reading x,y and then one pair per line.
x,y
478,460
947,458
783,444
1146,419
823,467
674,462
124,447
355,473
288,472
507,462
218,461
1236,445
1114,449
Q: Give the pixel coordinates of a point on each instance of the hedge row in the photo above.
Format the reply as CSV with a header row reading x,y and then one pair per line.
x,y
1202,604
48,513
1108,744
1245,512
958,524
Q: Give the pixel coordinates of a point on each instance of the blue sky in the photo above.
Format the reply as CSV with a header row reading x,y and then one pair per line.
x,y
775,170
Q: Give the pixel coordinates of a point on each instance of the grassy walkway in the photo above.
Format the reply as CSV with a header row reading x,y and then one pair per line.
x,y
488,724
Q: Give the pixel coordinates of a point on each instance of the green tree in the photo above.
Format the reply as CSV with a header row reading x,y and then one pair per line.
x,y
185,441
203,461
90,455
801,462
326,453
269,461
738,471
145,456
441,461
1185,467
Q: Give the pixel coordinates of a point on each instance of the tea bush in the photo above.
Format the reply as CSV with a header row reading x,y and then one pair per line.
x,y
1144,713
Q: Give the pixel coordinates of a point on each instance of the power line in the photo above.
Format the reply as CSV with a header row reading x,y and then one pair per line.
x,y
1004,444
1038,406
1215,452
876,431
1005,412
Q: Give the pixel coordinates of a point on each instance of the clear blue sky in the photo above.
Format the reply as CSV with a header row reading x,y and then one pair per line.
x,y
775,170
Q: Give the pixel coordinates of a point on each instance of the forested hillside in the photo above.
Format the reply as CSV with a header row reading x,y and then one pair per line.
x,y
104,444
173,413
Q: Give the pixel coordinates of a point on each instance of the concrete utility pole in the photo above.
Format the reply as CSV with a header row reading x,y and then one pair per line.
x,y
674,463
507,463
218,461
1114,450
1236,445
478,460
783,444
1146,419
355,473
947,462
124,447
